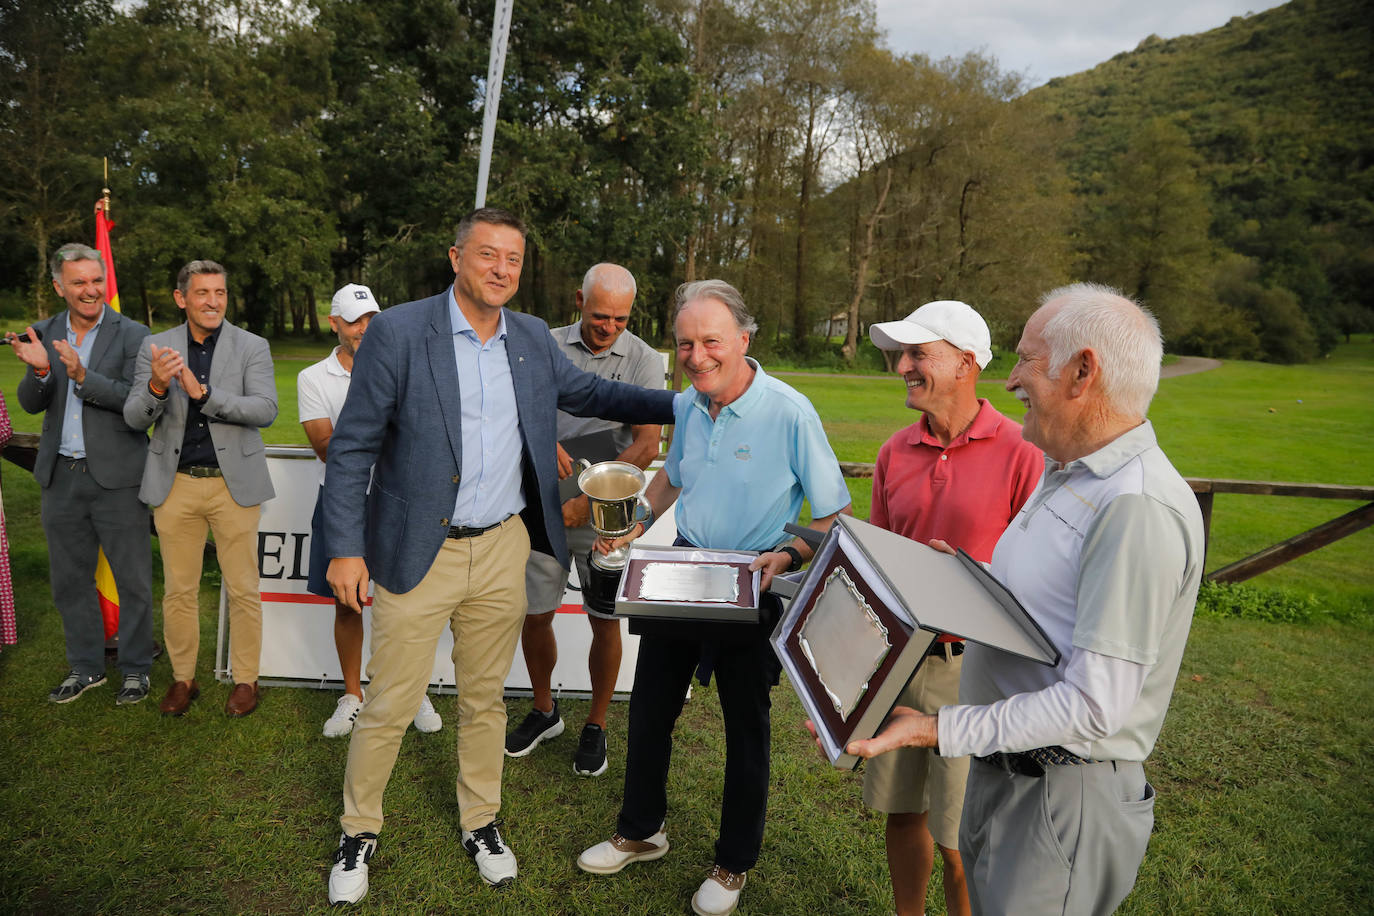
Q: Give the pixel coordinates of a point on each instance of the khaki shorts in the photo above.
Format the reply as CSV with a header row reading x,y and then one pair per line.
x,y
913,780
545,577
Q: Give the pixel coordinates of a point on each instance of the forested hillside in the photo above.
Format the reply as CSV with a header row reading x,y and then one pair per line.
x,y
1225,178
1228,177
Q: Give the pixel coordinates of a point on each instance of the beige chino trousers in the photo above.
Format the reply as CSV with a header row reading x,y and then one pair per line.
x,y
477,588
194,506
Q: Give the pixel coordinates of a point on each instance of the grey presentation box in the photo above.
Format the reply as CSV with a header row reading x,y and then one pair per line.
x,y
687,583
862,618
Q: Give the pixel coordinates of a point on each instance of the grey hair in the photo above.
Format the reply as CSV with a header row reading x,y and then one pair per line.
x,y
610,278
73,251
1123,333
723,293
493,215
195,269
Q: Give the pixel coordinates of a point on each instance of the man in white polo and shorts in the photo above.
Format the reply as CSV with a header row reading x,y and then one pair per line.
x,y
321,390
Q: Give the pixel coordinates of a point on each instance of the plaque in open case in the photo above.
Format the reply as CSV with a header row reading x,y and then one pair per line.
x,y
688,583
864,616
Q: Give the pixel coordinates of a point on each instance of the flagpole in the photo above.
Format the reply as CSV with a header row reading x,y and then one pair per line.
x,y
105,191
496,68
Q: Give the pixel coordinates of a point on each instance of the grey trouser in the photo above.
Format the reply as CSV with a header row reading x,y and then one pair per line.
x,y
80,517
1068,842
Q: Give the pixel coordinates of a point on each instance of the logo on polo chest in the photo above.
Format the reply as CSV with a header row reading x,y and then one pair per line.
x,y
742,453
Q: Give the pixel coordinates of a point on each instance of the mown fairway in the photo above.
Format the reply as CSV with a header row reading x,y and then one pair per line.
x,y
1265,787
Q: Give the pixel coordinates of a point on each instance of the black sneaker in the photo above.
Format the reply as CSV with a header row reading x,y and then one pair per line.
x,y
536,727
590,759
135,689
73,685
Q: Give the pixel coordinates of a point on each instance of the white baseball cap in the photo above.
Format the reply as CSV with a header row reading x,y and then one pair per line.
x,y
945,319
353,302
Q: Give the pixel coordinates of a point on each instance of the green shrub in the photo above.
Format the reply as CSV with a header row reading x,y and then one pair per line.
x,y
1248,602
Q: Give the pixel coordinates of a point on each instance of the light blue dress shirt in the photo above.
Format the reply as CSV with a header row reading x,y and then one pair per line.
x,y
489,488
744,475
73,443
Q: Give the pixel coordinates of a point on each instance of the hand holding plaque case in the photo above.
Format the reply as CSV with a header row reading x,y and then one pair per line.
x,y
864,616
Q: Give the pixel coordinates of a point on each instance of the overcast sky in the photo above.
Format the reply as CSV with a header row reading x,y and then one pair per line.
x,y
1047,38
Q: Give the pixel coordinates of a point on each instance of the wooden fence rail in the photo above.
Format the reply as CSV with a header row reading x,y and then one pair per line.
x,y
23,448
1205,488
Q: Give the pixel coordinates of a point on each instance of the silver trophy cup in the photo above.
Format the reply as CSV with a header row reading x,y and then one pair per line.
x,y
615,491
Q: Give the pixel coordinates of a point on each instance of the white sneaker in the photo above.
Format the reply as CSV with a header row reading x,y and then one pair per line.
x,y
427,720
610,856
719,893
495,861
345,714
348,877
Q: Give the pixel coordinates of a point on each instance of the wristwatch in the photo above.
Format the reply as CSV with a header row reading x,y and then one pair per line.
x,y
792,552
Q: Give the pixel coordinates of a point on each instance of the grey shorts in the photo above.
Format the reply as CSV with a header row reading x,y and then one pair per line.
x,y
546,579
916,779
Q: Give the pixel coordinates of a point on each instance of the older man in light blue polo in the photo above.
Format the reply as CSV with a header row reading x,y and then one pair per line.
x,y
747,451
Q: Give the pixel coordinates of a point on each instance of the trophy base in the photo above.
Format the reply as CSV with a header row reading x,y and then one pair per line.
x,y
599,591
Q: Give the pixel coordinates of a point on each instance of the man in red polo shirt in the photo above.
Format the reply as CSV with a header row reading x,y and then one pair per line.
x,y
959,474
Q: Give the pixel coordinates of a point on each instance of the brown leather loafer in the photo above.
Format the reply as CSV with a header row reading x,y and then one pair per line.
x,y
179,697
243,699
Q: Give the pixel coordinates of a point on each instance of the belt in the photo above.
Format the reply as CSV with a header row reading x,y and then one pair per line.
x,y
937,649
73,464
200,470
458,532
1033,762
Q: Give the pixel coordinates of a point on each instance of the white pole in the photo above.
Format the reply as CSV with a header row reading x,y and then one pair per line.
x,y
496,67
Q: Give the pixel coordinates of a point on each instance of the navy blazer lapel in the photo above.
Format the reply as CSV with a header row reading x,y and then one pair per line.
x,y
443,367
520,353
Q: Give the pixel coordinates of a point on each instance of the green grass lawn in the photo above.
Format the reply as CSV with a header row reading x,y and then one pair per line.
x,y
1265,787
1265,803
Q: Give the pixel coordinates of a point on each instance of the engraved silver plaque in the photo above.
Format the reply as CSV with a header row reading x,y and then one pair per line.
x,y
696,582
844,641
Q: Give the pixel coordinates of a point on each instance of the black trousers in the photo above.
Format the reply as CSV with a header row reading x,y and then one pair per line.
x,y
745,669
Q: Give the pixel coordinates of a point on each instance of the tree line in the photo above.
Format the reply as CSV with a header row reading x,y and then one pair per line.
x,y
779,144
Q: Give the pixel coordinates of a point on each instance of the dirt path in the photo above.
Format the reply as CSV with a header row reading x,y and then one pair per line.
x,y
1187,365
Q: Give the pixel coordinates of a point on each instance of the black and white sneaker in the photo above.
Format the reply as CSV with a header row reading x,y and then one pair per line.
x,y
135,690
495,861
590,759
348,877
536,728
73,685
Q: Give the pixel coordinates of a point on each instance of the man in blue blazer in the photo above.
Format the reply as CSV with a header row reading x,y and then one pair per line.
x,y
454,399
80,365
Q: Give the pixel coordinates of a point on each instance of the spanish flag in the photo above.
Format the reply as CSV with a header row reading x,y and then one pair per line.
x,y
104,578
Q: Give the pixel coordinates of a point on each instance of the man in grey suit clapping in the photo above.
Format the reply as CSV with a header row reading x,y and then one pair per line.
x,y
209,387
80,364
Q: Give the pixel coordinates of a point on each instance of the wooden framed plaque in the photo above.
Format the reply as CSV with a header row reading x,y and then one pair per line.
x,y
866,613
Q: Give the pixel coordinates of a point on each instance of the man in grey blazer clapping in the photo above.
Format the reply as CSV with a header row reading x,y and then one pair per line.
x,y
80,365
208,386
